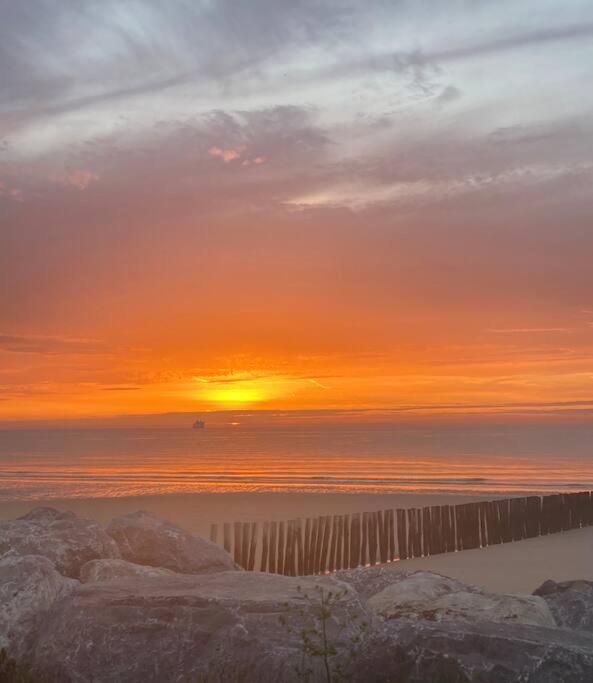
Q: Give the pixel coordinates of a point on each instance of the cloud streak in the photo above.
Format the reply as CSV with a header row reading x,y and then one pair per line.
x,y
38,344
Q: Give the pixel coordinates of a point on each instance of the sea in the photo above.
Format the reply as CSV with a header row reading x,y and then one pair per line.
x,y
37,464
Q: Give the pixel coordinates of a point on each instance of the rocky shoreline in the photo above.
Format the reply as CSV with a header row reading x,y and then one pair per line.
x,y
143,600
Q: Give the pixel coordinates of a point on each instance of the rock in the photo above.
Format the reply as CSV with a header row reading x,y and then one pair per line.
x,y
65,539
29,586
371,580
146,539
225,626
105,570
571,603
462,652
432,597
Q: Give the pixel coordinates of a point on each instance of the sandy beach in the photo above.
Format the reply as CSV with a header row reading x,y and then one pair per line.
x,y
518,567
513,567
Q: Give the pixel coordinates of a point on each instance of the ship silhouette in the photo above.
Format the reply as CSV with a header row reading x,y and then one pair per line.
x,y
199,424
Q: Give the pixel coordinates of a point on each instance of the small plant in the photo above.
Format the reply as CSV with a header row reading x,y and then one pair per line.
x,y
12,671
319,634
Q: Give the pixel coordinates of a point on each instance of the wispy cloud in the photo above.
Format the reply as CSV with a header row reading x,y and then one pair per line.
x,y
531,330
226,154
315,382
78,178
50,345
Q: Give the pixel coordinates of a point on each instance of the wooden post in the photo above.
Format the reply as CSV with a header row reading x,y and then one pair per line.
x,y
426,532
372,537
418,535
318,544
391,537
411,526
307,547
383,520
482,537
402,535
474,520
504,520
253,546
273,541
380,533
325,544
445,529
453,528
496,522
346,546
238,546
213,532
365,539
355,541
515,507
333,544
459,527
435,530
245,545
288,549
264,548
413,544
300,549
281,542
293,548
313,544
227,537
340,529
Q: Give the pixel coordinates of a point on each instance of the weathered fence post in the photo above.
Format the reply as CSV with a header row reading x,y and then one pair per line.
x,y
402,535
227,537
264,548
252,547
273,541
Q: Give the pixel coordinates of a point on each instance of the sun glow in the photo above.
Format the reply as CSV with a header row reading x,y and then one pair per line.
x,y
235,394
242,388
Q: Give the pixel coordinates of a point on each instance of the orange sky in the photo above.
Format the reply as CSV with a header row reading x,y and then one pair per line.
x,y
373,213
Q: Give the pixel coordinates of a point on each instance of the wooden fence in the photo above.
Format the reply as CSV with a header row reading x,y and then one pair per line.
x,y
330,543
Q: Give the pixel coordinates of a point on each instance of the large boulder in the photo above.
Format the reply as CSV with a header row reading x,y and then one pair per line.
x,y
571,603
29,586
105,570
146,539
410,651
65,539
371,580
227,626
432,597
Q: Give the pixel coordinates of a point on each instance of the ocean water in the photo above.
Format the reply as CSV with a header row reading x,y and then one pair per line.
x,y
41,464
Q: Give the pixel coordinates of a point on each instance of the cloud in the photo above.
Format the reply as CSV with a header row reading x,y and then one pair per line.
x,y
531,330
49,345
358,195
316,383
13,193
78,178
448,94
226,154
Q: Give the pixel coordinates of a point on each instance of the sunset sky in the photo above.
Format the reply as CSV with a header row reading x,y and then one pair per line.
x,y
282,204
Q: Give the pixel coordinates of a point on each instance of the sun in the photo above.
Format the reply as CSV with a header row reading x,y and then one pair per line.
x,y
235,394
